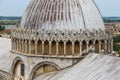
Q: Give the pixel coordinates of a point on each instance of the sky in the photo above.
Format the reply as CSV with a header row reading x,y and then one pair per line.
x,y
17,7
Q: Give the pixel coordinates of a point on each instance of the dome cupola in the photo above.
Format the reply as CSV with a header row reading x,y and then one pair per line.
x,y
61,28
62,15
55,34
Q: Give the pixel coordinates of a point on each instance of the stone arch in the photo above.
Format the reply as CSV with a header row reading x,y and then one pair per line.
x,y
2,77
90,46
40,66
20,45
90,42
97,46
69,47
16,44
77,47
61,48
27,46
23,46
32,47
46,47
16,62
84,46
39,47
108,46
53,47
102,45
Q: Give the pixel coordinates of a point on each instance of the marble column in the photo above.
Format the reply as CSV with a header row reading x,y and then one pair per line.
x,y
57,45
87,44
94,45
13,44
26,46
30,46
22,46
50,47
36,47
111,45
17,45
105,46
64,48
12,40
73,45
99,46
42,47
80,48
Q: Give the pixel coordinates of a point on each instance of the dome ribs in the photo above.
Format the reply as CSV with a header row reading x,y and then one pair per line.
x,y
43,10
63,15
69,14
38,12
32,14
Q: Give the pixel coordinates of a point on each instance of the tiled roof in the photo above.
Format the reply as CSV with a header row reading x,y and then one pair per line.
x,y
5,46
93,67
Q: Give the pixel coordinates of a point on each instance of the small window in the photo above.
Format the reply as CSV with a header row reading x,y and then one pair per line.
x,y
22,70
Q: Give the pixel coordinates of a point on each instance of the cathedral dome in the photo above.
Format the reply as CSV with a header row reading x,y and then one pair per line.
x,y
62,15
57,34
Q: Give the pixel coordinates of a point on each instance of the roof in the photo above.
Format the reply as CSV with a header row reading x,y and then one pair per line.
x,y
5,47
93,67
62,15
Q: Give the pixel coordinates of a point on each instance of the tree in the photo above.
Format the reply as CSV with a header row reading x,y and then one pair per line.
x,y
119,52
2,28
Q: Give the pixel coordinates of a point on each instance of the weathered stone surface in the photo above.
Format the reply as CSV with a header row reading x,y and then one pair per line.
x,y
93,67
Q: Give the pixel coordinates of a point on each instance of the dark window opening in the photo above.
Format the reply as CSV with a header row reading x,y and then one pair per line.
x,y
22,70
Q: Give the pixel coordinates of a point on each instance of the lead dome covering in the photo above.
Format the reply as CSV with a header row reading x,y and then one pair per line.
x,y
62,15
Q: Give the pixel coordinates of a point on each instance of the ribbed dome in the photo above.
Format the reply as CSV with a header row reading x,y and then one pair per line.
x,y
62,15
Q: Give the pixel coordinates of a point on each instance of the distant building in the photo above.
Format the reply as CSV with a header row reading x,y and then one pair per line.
x,y
115,26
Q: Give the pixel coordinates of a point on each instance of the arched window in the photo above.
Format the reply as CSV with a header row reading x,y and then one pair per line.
x,y
18,69
43,67
33,47
96,46
20,45
53,48
102,45
90,43
90,46
39,47
69,48
16,44
23,46
108,45
46,47
22,69
61,48
84,46
27,47
77,48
